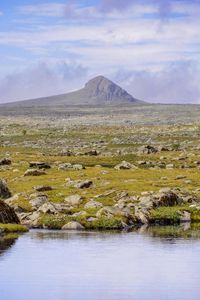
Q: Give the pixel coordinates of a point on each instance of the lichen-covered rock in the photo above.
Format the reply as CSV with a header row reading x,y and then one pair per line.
x,y
7,214
4,190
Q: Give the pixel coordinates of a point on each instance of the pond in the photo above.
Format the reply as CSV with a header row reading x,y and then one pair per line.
x,y
144,264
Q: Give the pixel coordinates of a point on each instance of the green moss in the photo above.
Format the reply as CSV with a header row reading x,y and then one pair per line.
x,y
8,228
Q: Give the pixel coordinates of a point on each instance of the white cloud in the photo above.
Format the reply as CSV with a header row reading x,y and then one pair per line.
x,y
178,83
41,80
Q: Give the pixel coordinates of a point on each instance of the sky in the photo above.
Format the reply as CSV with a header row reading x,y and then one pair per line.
x,y
149,47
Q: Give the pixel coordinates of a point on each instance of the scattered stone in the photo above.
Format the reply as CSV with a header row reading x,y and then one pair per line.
x,y
180,177
43,188
170,166
147,149
74,200
39,165
48,208
85,184
73,226
68,166
92,153
5,162
38,201
34,172
124,165
93,204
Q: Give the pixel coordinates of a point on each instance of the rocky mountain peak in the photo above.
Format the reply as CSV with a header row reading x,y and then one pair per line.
x,y
102,88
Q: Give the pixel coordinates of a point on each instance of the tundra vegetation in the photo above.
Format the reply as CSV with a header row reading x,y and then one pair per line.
x,y
88,171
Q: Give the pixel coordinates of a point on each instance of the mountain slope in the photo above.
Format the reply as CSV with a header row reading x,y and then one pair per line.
x,y
97,91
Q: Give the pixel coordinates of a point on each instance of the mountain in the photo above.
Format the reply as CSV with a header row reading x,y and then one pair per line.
x,y
97,91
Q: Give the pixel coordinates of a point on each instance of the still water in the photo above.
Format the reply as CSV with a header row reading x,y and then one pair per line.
x,y
48,265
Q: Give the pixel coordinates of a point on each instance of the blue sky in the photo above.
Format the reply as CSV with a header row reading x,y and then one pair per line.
x,y
151,48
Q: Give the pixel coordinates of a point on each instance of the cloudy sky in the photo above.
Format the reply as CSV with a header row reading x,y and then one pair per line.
x,y
149,47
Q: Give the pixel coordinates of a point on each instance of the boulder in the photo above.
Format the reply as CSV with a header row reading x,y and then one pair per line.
x,y
69,166
4,190
7,214
34,172
92,153
124,165
83,184
74,200
93,204
47,208
39,165
5,162
43,188
38,201
147,149
73,226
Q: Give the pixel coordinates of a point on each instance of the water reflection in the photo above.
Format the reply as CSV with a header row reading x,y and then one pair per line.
x,y
146,263
6,242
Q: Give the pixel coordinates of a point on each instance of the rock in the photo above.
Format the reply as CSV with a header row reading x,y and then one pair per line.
x,y
30,219
79,214
7,214
169,166
142,215
185,217
47,208
39,165
38,201
180,177
92,153
84,184
43,188
74,200
124,165
147,149
68,166
5,162
34,172
4,190
93,204
73,226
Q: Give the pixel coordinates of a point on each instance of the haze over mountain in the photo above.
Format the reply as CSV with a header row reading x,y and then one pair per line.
x,y
97,91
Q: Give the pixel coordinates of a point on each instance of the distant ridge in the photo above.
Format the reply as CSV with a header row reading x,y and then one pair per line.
x,y
97,91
